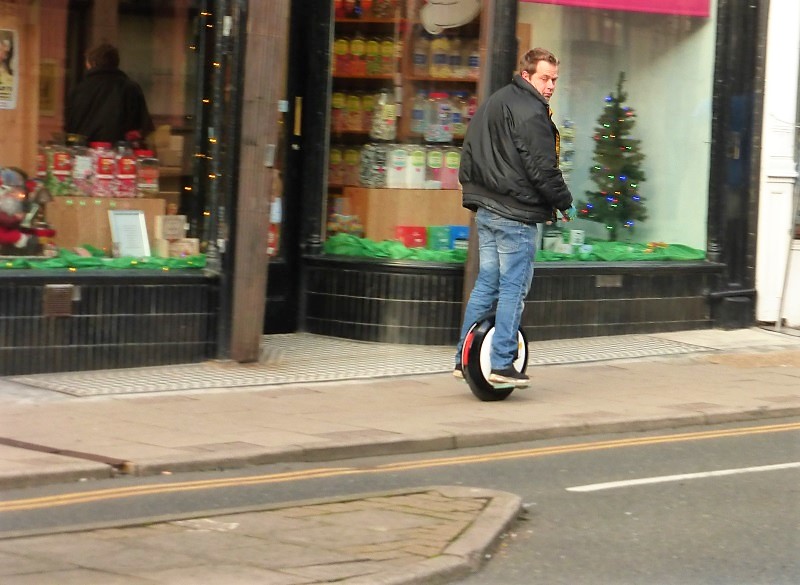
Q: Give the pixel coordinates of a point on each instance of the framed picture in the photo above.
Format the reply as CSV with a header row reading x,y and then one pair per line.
x,y
128,233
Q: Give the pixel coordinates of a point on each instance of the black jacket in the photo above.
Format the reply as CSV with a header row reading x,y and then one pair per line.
x,y
509,163
105,106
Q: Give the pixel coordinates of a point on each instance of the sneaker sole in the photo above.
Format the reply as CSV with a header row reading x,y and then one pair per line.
x,y
497,381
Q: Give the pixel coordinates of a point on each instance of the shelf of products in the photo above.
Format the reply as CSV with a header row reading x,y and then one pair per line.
x,y
402,100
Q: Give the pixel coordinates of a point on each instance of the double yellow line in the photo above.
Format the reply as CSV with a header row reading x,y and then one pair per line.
x,y
144,490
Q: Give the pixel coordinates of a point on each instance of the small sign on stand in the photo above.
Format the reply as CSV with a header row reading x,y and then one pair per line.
x,y
128,233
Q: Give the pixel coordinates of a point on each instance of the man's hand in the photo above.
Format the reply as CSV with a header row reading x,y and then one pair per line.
x,y
569,214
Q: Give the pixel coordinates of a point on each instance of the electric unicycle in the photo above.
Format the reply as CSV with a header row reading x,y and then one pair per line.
x,y
477,364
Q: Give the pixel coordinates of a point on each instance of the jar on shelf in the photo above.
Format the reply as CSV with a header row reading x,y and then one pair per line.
x,y
338,111
389,52
125,171
455,59
373,56
451,162
415,168
82,171
336,166
384,8
358,56
439,118
373,165
104,163
418,107
367,110
434,159
438,65
147,173
384,118
396,165
420,55
353,113
473,59
341,56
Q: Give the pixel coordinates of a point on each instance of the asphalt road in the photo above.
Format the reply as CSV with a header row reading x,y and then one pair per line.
x,y
712,505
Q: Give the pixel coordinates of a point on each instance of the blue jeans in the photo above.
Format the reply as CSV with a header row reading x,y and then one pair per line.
x,y
507,249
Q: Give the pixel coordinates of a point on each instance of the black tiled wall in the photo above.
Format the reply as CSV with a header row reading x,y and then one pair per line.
x,y
118,321
421,304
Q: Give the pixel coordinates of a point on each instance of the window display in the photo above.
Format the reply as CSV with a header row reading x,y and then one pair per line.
x,y
404,90
638,153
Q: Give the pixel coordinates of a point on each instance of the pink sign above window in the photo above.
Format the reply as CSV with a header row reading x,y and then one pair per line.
x,y
682,7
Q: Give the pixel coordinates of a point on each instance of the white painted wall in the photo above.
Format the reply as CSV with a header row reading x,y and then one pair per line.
x,y
779,169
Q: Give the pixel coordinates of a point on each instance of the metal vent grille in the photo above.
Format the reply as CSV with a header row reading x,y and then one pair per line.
x,y
57,300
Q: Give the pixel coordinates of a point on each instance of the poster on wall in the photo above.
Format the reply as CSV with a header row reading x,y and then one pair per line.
x,y
9,69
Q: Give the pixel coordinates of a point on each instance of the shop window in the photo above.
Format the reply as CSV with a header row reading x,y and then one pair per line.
x,y
158,45
634,98
404,89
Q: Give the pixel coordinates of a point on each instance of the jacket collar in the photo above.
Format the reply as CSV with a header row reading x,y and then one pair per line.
x,y
521,83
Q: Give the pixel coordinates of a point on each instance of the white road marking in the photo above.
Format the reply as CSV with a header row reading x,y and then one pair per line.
x,y
667,478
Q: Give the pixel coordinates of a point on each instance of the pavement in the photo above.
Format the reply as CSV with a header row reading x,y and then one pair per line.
x,y
429,534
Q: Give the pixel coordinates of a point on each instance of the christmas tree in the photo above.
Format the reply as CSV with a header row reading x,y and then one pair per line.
x,y
617,170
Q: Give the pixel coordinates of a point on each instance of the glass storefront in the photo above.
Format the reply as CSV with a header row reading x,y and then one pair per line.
x,y
668,63
405,84
633,104
166,48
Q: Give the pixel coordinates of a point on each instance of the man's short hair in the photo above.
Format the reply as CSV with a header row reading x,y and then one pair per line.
x,y
103,56
530,60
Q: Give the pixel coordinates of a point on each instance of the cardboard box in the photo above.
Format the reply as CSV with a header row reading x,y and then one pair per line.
x,y
84,220
411,236
170,227
176,248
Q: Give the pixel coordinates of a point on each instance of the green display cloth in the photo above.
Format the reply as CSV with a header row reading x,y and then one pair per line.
x,y
624,252
67,259
349,245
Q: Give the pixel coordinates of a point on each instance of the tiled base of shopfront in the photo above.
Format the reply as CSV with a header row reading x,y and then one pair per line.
x,y
57,321
420,303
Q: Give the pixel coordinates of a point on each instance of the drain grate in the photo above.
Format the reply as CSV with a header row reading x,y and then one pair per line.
x,y
302,358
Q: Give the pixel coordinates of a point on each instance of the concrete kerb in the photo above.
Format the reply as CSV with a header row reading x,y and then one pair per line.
x,y
466,553
198,461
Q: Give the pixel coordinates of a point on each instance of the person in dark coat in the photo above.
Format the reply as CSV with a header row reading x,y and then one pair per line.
x,y
107,104
510,177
